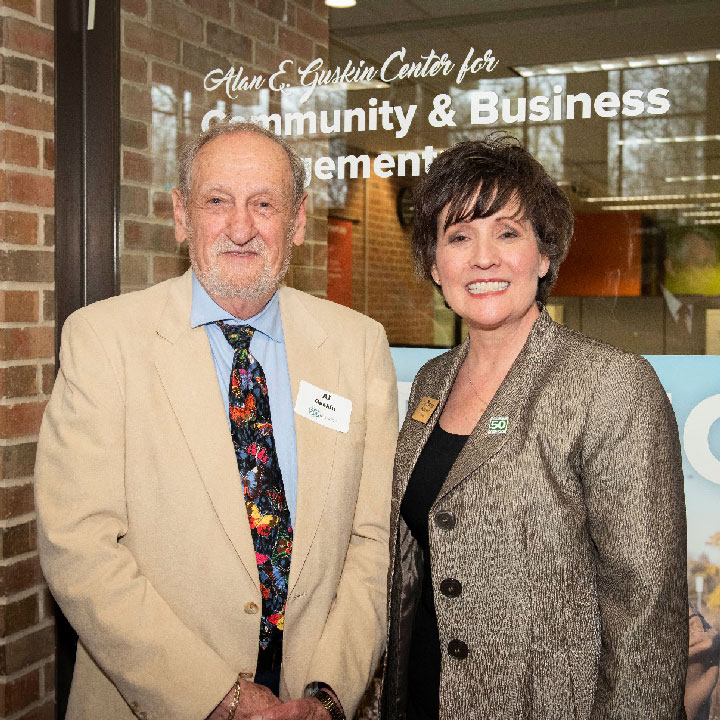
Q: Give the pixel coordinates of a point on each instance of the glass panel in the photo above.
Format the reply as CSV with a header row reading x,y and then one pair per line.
x,y
622,106
632,136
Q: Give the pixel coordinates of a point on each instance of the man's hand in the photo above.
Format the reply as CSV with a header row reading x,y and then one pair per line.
x,y
303,709
254,699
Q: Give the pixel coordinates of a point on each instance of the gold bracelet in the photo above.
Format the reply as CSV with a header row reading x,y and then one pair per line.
x,y
235,701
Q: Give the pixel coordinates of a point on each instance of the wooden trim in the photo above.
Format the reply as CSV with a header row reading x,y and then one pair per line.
x,y
87,180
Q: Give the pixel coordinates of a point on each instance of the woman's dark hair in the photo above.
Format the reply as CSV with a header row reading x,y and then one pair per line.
x,y
476,179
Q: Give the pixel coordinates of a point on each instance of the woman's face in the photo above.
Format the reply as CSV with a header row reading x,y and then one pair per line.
x,y
488,268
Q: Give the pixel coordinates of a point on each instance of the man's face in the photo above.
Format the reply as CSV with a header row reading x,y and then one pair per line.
x,y
239,220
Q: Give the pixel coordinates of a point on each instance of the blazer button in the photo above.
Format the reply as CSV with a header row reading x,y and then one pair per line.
x,y
451,587
445,519
457,649
251,608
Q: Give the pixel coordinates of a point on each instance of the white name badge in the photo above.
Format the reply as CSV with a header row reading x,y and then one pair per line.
x,y
323,407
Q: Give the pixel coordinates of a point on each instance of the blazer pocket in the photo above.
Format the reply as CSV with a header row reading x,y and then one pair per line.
x,y
553,693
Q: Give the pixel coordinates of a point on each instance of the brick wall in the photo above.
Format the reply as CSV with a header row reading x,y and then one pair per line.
x,y
168,47
26,347
394,297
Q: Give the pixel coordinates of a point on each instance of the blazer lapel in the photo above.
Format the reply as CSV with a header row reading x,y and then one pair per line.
x,y
508,404
309,358
414,433
187,372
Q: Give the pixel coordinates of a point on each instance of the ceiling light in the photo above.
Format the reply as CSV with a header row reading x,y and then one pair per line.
x,y
668,206
340,3
677,138
692,178
621,63
702,213
644,198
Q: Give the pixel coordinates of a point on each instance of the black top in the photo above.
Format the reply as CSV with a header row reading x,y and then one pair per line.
x,y
428,476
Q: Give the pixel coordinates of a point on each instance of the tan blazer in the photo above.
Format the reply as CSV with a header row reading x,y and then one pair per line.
x,y
567,533
143,534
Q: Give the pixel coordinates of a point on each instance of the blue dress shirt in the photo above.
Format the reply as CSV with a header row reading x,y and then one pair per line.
x,y
268,348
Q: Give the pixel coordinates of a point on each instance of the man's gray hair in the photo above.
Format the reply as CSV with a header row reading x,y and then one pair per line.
x,y
189,153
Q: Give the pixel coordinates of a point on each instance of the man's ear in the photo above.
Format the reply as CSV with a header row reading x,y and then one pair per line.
x,y
180,217
300,223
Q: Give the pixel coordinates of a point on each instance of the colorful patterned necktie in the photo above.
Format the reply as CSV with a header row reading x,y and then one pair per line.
x,y
267,509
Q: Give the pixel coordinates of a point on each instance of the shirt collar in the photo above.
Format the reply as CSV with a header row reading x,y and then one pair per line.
x,y
204,311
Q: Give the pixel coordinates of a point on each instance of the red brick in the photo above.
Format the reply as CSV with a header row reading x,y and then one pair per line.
x,y
254,23
320,51
23,6
133,200
268,58
16,461
19,148
235,44
277,9
46,711
136,102
302,254
26,266
134,270
27,38
136,167
149,236
27,188
320,251
178,80
26,343
312,25
136,7
21,419
133,67
19,693
150,42
47,11
133,133
20,575
48,154
177,21
219,9
28,650
48,305
48,378
162,205
48,230
321,9
312,280
28,112
168,267
19,306
18,539
201,60
46,604
19,615
49,676
48,80
20,73
18,381
294,43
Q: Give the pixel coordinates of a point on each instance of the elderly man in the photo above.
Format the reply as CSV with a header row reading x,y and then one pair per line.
x,y
213,474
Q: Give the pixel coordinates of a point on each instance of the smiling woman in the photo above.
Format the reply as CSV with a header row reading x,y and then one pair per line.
x,y
528,573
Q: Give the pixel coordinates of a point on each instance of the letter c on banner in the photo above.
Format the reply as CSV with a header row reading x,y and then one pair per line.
x,y
696,438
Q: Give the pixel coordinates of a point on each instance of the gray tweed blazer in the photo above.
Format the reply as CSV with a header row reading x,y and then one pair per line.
x,y
566,533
